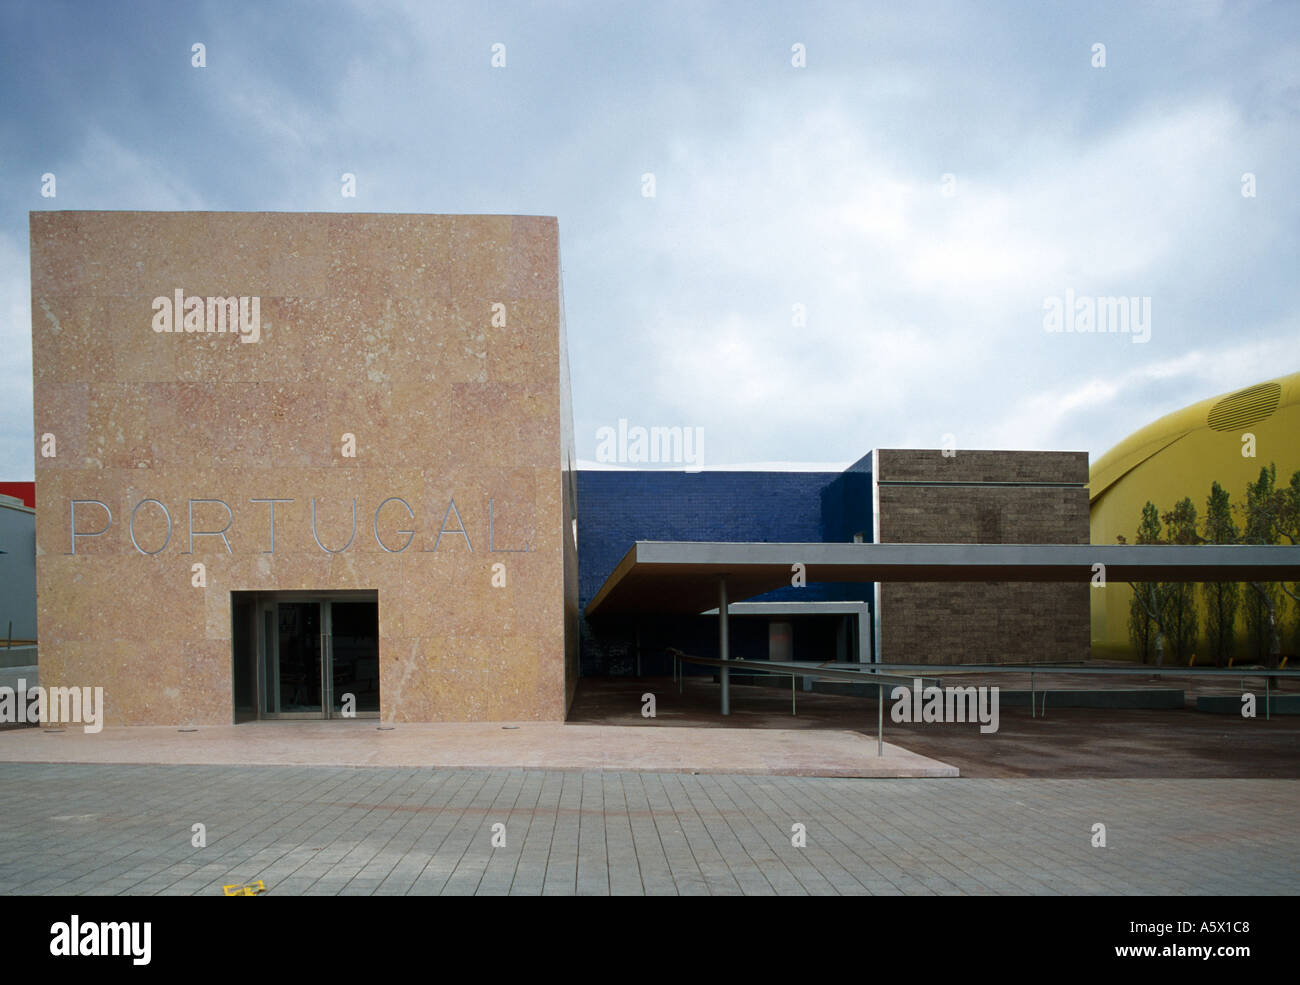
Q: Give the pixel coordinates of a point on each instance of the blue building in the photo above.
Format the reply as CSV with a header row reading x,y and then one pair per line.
x,y
816,622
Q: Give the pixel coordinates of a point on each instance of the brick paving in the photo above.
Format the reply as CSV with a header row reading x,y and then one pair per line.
x,y
100,829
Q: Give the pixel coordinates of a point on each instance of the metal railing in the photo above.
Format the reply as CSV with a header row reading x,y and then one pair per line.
x,y
906,674
817,672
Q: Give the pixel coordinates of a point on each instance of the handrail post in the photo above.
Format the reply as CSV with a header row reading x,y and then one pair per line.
x,y
880,723
722,644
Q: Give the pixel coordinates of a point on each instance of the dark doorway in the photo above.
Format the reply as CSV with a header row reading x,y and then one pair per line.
x,y
305,655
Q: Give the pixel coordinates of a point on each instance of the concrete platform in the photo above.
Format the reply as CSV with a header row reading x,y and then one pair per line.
x,y
28,674
1071,697
18,656
1230,704
1132,697
523,745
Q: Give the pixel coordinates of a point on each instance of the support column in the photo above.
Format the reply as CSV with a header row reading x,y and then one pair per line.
x,y
723,649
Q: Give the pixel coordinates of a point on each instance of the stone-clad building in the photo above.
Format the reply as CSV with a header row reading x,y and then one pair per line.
x,y
304,465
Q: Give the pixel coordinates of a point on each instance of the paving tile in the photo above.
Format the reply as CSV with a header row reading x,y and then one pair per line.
x,y
401,830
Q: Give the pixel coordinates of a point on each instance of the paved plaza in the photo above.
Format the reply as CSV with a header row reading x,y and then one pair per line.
x,y
470,746
108,829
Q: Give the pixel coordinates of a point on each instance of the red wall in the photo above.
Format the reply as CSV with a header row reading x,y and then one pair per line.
x,y
26,491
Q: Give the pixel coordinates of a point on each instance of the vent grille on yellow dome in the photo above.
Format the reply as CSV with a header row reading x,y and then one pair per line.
x,y
1244,407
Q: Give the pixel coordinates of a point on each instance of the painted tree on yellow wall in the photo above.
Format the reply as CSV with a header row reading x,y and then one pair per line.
x,y
1166,613
1149,606
1222,598
1271,516
1181,621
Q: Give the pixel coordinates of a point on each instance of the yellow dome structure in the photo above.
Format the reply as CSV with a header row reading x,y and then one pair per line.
x,y
1182,454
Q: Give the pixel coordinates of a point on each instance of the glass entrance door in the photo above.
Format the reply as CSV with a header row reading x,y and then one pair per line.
x,y
291,633
353,647
319,657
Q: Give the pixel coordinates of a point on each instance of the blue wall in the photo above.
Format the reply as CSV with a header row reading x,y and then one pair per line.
x,y
847,506
617,508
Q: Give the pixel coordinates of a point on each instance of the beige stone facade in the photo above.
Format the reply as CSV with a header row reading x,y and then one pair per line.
x,y
396,384
982,497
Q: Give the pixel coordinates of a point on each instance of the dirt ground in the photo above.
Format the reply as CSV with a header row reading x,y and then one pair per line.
x,y
1069,742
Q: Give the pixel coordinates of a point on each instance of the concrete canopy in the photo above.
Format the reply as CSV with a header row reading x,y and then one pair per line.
x,y
675,576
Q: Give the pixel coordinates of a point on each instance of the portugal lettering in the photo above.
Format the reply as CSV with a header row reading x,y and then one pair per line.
x,y
334,525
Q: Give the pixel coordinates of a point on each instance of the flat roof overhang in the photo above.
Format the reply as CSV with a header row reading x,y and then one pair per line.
x,y
682,576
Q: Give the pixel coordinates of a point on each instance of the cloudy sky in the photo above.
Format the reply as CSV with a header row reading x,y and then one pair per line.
x,y
852,253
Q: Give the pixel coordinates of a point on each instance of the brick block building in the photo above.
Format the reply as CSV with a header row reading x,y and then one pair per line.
x,y
981,497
